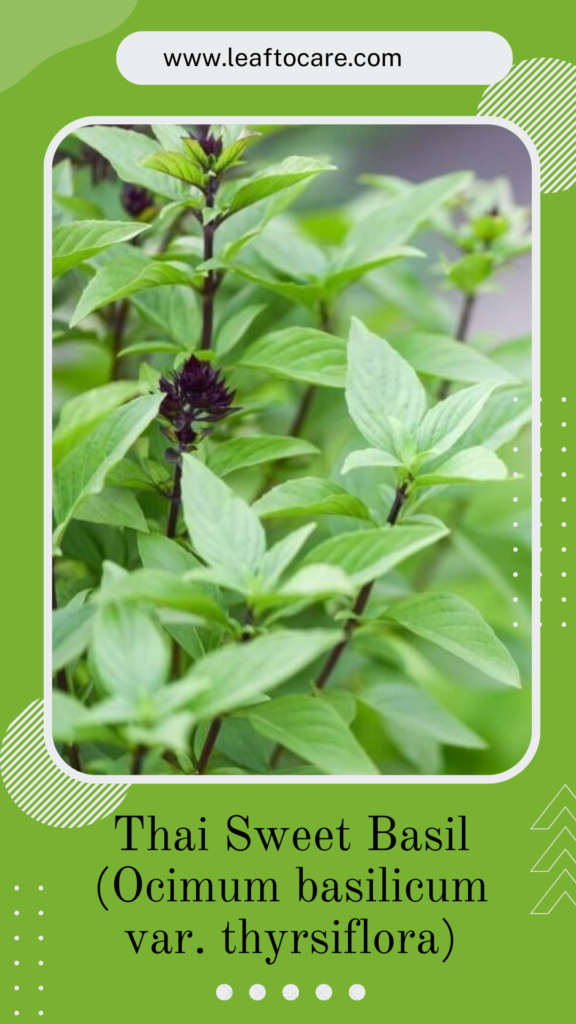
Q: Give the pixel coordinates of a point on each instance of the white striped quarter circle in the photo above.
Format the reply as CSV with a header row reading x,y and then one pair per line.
x,y
539,95
39,786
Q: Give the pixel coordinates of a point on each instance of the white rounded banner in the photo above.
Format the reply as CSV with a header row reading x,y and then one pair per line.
x,y
314,58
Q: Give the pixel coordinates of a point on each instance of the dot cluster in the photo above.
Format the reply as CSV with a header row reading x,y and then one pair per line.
x,y
40,963
290,992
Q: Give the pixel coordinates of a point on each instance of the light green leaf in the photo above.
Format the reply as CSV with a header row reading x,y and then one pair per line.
x,y
317,581
455,625
234,329
300,353
312,496
172,733
395,223
275,179
159,552
71,632
83,412
242,452
174,310
313,730
78,241
224,530
83,471
414,710
340,277
501,419
381,385
470,465
148,348
470,271
281,554
237,673
124,273
447,421
177,165
68,716
126,150
114,506
368,457
435,355
365,555
164,590
130,654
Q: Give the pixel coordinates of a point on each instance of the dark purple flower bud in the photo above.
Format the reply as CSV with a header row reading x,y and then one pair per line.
x,y
135,199
195,396
211,144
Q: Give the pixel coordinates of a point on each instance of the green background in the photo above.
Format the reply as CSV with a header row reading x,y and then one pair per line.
x,y
506,963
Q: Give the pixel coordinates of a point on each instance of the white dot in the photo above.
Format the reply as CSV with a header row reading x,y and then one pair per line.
x,y
563,474
563,524
224,992
514,399
563,624
514,524
40,937
516,499
515,599
40,963
516,549
16,887
563,499
514,624
290,992
514,573
40,988
16,937
16,962
563,424
16,988
257,992
563,549
40,887
323,992
563,399
40,913
16,913
563,573
563,449
515,449
358,991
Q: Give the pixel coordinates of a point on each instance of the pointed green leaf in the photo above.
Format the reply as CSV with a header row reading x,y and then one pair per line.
x,y
83,471
130,654
237,673
126,150
416,711
83,412
125,273
300,353
224,530
447,421
470,465
242,452
177,165
275,179
368,457
436,355
78,241
452,623
313,730
312,496
366,555
381,385
164,590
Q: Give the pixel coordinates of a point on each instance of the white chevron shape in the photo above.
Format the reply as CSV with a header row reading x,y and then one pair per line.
x,y
40,788
563,801
563,886
557,847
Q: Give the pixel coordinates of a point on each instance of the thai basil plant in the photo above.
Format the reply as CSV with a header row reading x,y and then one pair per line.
x,y
284,464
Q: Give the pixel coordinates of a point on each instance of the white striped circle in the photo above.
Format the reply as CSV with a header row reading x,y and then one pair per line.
x,y
539,96
40,788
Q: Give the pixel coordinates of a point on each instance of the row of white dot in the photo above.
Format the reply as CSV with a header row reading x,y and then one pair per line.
x,y
290,992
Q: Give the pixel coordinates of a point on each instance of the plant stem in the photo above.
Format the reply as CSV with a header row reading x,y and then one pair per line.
x,y
119,318
351,623
138,756
175,501
216,725
461,335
